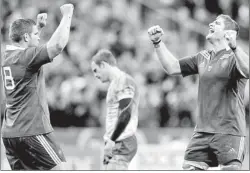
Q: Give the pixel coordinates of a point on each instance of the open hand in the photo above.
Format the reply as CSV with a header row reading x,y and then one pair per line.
x,y
108,148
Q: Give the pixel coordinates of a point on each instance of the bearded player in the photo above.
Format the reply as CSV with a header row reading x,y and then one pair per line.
x,y
219,135
122,111
27,132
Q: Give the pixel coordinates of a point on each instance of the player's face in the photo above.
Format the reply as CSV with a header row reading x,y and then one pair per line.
x,y
100,72
34,37
216,30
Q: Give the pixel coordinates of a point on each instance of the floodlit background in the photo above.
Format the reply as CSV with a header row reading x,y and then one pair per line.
x,y
168,104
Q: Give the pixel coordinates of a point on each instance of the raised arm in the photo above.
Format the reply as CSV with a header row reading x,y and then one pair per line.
x,y
242,59
60,37
41,21
169,62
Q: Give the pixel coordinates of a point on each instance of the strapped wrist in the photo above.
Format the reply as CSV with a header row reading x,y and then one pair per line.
x,y
156,44
234,48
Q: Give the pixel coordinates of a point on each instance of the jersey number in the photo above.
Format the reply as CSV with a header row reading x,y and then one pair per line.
x,y
8,79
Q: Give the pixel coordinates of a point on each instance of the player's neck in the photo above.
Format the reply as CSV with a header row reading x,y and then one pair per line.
x,y
20,44
219,45
115,73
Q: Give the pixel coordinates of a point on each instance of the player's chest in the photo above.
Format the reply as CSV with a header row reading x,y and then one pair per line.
x,y
111,95
215,68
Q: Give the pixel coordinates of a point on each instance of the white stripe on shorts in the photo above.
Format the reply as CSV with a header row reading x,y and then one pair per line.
x,y
241,148
49,149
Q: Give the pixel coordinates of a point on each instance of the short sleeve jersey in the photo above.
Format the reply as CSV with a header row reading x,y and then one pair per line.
x,y
221,91
121,88
26,111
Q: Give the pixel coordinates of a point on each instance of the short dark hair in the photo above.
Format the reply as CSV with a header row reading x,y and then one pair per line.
x,y
229,23
19,27
104,55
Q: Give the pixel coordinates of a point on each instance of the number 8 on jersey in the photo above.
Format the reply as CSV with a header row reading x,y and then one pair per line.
x,y
8,79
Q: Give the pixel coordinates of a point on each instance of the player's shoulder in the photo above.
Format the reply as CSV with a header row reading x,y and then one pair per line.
x,y
15,55
125,80
206,54
11,56
129,80
30,53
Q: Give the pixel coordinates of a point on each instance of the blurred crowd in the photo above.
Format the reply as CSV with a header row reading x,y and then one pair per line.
x,y
76,98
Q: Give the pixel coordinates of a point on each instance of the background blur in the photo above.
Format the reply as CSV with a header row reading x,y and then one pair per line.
x,y
168,104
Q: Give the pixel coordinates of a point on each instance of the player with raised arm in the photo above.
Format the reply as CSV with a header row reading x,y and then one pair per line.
x,y
219,135
122,112
27,132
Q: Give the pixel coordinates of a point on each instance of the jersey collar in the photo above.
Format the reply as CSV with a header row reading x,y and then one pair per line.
x,y
222,51
12,47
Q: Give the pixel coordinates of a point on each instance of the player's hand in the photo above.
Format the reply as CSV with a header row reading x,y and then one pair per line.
x,y
108,148
41,20
67,9
155,33
230,36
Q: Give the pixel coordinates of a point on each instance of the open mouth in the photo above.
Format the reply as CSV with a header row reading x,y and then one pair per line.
x,y
211,30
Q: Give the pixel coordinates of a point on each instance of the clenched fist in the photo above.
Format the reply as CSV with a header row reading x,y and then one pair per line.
x,y
230,36
155,33
67,9
41,20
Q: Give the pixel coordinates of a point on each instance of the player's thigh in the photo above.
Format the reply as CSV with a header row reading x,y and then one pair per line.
x,y
229,148
10,145
196,154
42,151
126,149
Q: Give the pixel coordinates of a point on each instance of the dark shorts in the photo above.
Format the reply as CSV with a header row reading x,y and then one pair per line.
x,y
124,151
215,149
38,152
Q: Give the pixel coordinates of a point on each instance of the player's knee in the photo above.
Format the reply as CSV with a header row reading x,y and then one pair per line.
x,y
231,166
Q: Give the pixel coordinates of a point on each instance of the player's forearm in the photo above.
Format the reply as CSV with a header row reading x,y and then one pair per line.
x,y
122,123
123,119
61,36
242,60
39,30
167,59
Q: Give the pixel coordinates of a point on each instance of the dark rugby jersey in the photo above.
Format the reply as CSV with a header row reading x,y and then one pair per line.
x,y
26,105
221,91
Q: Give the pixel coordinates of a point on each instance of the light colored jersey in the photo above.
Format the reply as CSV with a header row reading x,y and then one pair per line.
x,y
121,88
